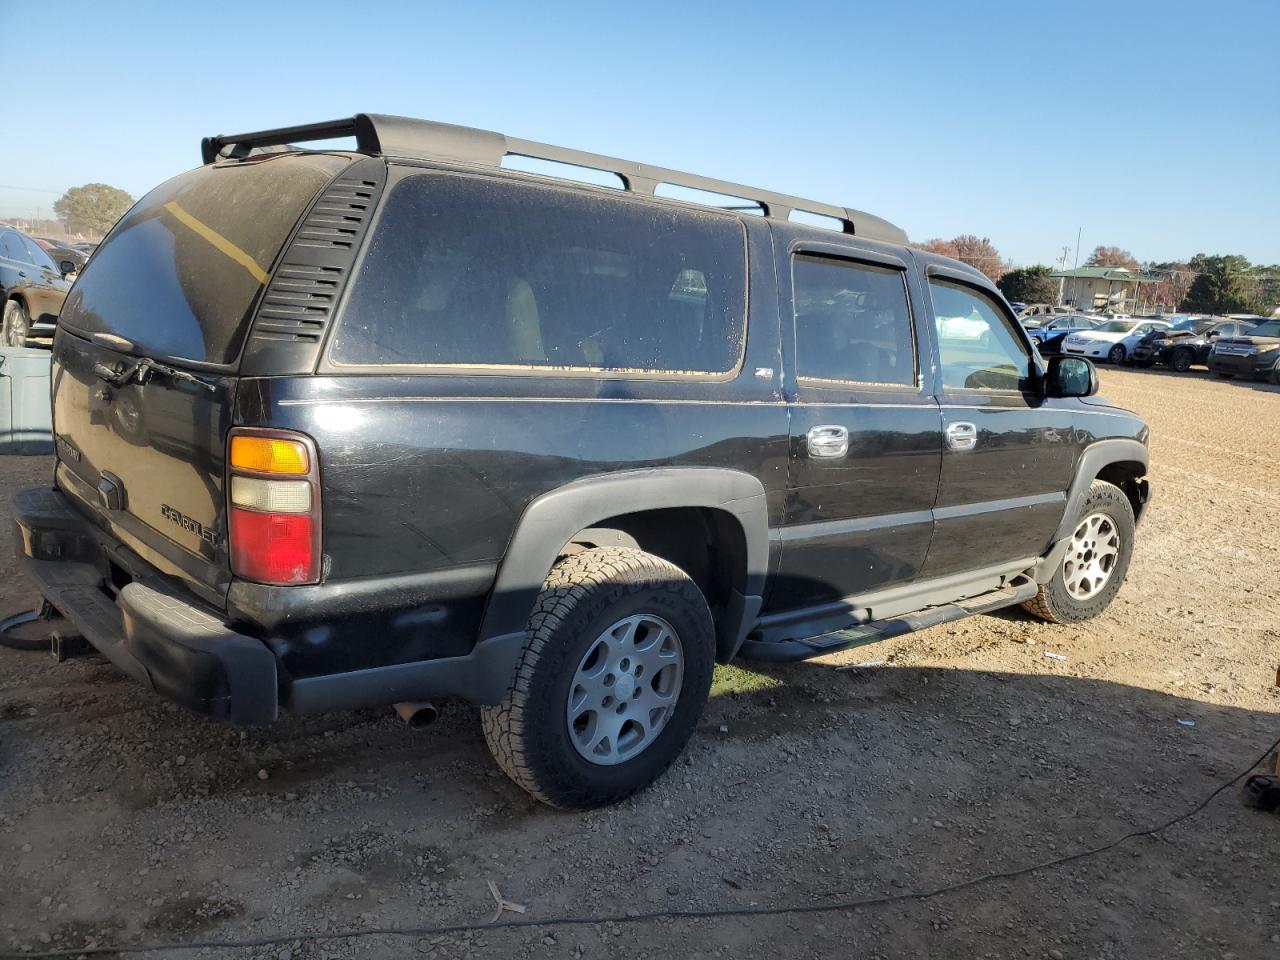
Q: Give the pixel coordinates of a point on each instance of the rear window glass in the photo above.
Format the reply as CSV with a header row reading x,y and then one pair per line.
x,y
178,275
477,272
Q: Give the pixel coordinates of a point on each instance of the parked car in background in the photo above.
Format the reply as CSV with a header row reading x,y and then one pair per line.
x,y
1042,310
32,287
1253,354
1112,340
1018,306
1050,327
1050,337
1187,342
59,251
538,448
970,326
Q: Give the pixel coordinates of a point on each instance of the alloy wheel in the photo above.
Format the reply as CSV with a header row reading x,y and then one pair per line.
x,y
1091,556
625,689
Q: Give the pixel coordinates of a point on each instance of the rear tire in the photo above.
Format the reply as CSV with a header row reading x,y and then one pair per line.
x,y
1116,353
1095,564
1181,360
550,733
17,324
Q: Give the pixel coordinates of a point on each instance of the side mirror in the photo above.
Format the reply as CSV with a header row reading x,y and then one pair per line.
x,y
1213,334
67,266
1070,377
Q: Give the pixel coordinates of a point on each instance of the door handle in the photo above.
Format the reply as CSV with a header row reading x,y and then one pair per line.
x,y
828,441
962,435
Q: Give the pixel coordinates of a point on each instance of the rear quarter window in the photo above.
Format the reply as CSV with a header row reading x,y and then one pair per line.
x,y
179,274
465,271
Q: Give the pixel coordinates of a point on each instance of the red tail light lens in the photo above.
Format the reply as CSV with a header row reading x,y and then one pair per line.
x,y
273,547
274,523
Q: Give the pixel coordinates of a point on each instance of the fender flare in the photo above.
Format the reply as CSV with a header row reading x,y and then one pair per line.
x,y
549,522
1095,457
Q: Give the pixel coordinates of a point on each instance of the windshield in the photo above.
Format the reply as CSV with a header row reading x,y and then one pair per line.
x,y
1116,326
1193,324
1269,329
178,276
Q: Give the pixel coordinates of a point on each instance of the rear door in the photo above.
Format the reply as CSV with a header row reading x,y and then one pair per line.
x,y
1008,453
865,433
176,282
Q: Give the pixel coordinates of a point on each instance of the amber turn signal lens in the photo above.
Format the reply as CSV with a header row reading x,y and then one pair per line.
x,y
269,455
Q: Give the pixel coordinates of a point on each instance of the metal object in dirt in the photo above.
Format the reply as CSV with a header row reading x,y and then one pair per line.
x,y
43,613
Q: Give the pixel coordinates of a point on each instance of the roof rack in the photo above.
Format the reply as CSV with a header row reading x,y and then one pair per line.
x,y
428,140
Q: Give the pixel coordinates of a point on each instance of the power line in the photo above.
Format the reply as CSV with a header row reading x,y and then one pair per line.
x,y
6,186
710,913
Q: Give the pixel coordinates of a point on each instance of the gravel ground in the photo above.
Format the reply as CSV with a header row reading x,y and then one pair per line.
x,y
123,819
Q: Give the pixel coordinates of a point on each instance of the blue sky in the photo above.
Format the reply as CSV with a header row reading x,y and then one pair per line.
x,y
1154,126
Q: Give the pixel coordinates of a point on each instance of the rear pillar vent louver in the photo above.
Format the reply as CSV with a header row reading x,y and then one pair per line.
x,y
303,292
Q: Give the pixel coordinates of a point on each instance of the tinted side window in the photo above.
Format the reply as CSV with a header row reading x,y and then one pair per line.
x,y
852,322
473,271
12,248
37,255
977,344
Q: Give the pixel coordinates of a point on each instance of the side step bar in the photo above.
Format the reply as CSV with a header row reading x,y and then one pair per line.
x,y
786,651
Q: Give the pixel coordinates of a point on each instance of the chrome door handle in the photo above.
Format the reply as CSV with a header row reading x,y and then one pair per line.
x,y
962,436
828,441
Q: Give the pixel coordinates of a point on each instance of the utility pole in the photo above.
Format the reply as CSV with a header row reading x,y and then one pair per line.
x,y
1078,232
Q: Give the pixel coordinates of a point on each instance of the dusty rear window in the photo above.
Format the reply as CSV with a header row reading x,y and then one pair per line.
x,y
478,272
178,275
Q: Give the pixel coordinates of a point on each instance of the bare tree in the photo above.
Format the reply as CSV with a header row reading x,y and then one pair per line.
x,y
1112,257
978,252
1173,284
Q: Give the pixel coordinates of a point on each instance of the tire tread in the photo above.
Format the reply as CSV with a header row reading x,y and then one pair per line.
x,y
571,582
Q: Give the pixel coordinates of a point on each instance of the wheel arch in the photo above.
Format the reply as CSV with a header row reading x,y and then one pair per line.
x,y
1120,461
642,508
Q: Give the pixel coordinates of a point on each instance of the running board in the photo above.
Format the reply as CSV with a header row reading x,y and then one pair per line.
x,y
784,651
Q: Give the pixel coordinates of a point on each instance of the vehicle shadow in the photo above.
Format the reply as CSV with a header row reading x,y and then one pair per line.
x,y
841,780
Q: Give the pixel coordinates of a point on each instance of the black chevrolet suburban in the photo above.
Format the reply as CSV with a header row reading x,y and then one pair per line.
x,y
419,420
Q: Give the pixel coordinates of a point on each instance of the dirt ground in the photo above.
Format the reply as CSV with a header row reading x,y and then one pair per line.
x,y
123,819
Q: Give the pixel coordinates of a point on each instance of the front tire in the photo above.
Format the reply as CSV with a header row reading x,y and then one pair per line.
x,y
613,678
17,324
1116,353
1181,360
1096,561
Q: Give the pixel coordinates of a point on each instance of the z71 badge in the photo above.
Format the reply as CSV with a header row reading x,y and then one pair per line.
x,y
187,523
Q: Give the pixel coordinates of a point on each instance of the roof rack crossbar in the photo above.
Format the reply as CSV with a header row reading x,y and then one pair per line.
x,y
429,140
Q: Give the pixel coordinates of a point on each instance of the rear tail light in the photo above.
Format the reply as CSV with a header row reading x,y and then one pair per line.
x,y
274,507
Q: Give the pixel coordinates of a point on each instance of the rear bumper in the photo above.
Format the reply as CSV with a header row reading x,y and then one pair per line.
x,y
179,649
162,636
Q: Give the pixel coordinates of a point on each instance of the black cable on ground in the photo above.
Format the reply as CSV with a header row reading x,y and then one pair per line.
x,y
705,914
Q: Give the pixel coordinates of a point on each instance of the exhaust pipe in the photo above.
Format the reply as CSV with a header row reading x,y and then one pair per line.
x,y
417,714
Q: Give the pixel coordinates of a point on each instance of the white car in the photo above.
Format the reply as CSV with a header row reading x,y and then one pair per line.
x,y
1113,341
